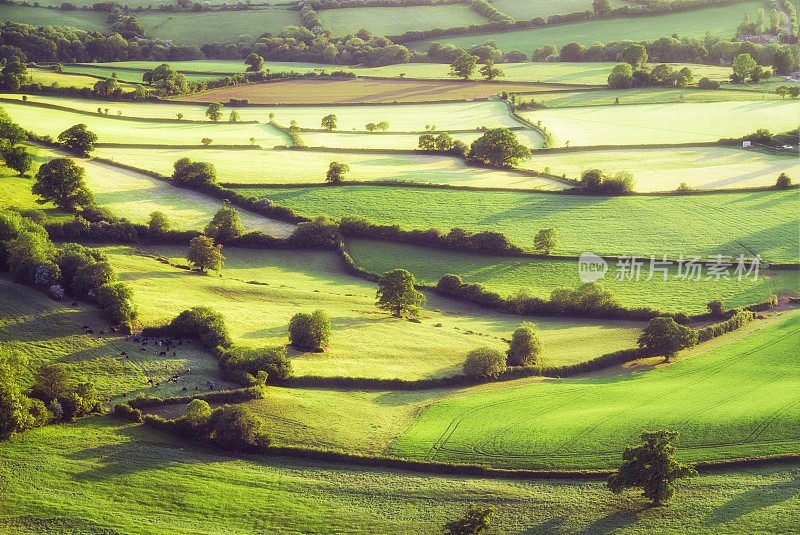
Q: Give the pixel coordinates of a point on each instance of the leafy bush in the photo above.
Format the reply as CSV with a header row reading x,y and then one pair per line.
x,y
309,331
203,323
526,347
484,362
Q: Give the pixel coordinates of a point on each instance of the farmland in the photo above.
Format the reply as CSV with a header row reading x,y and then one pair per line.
x,y
522,9
397,20
728,223
736,397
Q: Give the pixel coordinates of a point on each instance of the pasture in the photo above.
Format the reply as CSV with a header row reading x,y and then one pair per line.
x,y
128,75
378,142
725,223
644,95
719,21
735,400
540,277
135,480
666,169
397,20
525,10
287,167
289,282
39,16
63,79
664,123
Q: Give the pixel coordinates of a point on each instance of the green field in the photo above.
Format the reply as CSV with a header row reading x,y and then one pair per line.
x,y
128,75
666,169
508,275
529,138
63,79
397,20
35,16
125,478
291,282
664,123
737,400
202,28
526,10
287,167
726,223
644,95
720,21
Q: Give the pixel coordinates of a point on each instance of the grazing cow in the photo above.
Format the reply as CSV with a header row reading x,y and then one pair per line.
x,y
142,349
74,303
90,331
86,327
174,354
180,342
101,332
162,354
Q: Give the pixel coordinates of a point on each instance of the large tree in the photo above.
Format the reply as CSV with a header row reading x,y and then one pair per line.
x,y
634,55
651,466
329,122
498,147
18,159
309,331
214,111
621,77
61,182
484,362
189,173
743,65
78,140
159,223
397,294
463,66
490,72
226,225
664,336
13,75
336,172
254,62
204,254
526,347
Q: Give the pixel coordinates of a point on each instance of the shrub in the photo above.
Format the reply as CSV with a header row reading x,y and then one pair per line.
x,y
706,83
783,181
244,364
526,347
716,308
663,336
203,323
484,362
125,411
319,233
309,331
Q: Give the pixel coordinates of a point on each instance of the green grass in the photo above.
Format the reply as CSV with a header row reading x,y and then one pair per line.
x,y
217,65
526,10
507,275
258,315
286,167
127,75
397,20
666,169
45,121
730,224
645,95
720,21
737,400
64,79
529,138
124,478
664,123
202,28
35,16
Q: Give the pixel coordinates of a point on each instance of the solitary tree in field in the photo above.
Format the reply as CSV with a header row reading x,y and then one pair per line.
x,y
204,254
664,336
329,122
743,65
397,294
206,141
254,63
490,72
61,182
310,331
179,116
189,173
498,147
18,159
783,181
526,347
463,66
214,111
546,240
634,55
475,521
371,127
336,172
233,117
383,126
78,140
484,362
158,224
225,225
651,467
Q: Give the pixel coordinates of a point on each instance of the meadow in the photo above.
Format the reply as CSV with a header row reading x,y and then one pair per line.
x,y
540,277
36,16
734,400
719,21
725,223
644,95
64,79
525,10
397,20
664,123
529,138
130,479
128,75
287,167
289,282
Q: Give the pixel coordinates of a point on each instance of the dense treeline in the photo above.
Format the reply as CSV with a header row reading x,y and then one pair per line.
x,y
340,4
487,10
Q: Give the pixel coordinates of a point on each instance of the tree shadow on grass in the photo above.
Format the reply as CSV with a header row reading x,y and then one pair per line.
x,y
753,500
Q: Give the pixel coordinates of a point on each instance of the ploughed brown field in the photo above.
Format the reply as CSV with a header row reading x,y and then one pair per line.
x,y
366,91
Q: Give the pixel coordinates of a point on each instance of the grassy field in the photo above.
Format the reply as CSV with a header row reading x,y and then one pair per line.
x,y
541,277
128,75
727,223
529,138
525,10
664,123
397,20
64,79
45,121
81,20
720,21
737,400
134,480
286,167
291,282
218,66
202,28
666,169
645,95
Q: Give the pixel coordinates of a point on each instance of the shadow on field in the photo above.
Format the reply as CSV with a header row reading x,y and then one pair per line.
x,y
753,500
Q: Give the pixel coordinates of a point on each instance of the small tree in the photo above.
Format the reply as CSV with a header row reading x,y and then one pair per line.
x,y
651,466
206,141
179,116
226,225
158,224
233,117
18,159
743,65
254,62
463,66
204,254
546,240
498,147
601,7
716,308
329,122
397,294
484,362
794,91
490,72
621,77
383,126
336,172
78,140
427,142
61,182
783,181
526,347
310,331
475,521
664,336
214,111
634,55
371,127
52,381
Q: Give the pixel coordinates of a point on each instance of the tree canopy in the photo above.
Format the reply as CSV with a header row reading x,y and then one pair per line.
x,y
463,66
664,336
397,294
204,254
498,147
78,139
61,182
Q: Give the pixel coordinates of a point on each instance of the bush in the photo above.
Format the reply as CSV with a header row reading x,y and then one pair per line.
x,y
783,181
484,362
319,233
716,308
309,331
122,410
526,347
203,323
244,364
706,83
